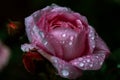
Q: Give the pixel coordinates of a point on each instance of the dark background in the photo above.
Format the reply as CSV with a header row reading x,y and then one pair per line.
x,y
103,15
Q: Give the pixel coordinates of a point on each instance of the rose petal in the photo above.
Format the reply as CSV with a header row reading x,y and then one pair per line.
x,y
70,42
32,30
65,69
91,39
54,45
95,60
89,62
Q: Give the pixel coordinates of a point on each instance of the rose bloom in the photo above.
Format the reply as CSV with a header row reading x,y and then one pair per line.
x,y
65,38
4,55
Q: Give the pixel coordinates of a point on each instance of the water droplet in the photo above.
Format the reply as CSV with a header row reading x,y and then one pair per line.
x,y
91,31
81,64
93,46
64,35
101,63
97,57
32,33
70,43
90,35
71,38
41,34
55,60
75,63
80,59
45,43
35,29
60,66
65,73
84,61
63,42
92,38
91,65
88,60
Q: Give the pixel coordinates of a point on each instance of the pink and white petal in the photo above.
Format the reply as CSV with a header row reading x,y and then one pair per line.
x,y
101,45
54,46
94,60
64,68
89,62
35,35
91,39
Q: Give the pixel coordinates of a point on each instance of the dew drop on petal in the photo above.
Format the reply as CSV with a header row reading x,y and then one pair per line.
x,y
91,65
63,35
90,35
45,43
101,63
55,61
88,60
34,29
60,66
75,63
71,38
32,33
97,57
84,61
91,31
92,38
93,46
41,34
80,59
81,64
63,42
70,43
65,73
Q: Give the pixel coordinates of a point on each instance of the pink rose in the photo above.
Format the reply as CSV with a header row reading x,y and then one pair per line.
x,y
66,39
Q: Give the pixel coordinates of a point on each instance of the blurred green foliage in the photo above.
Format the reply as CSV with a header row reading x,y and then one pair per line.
x,y
103,15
